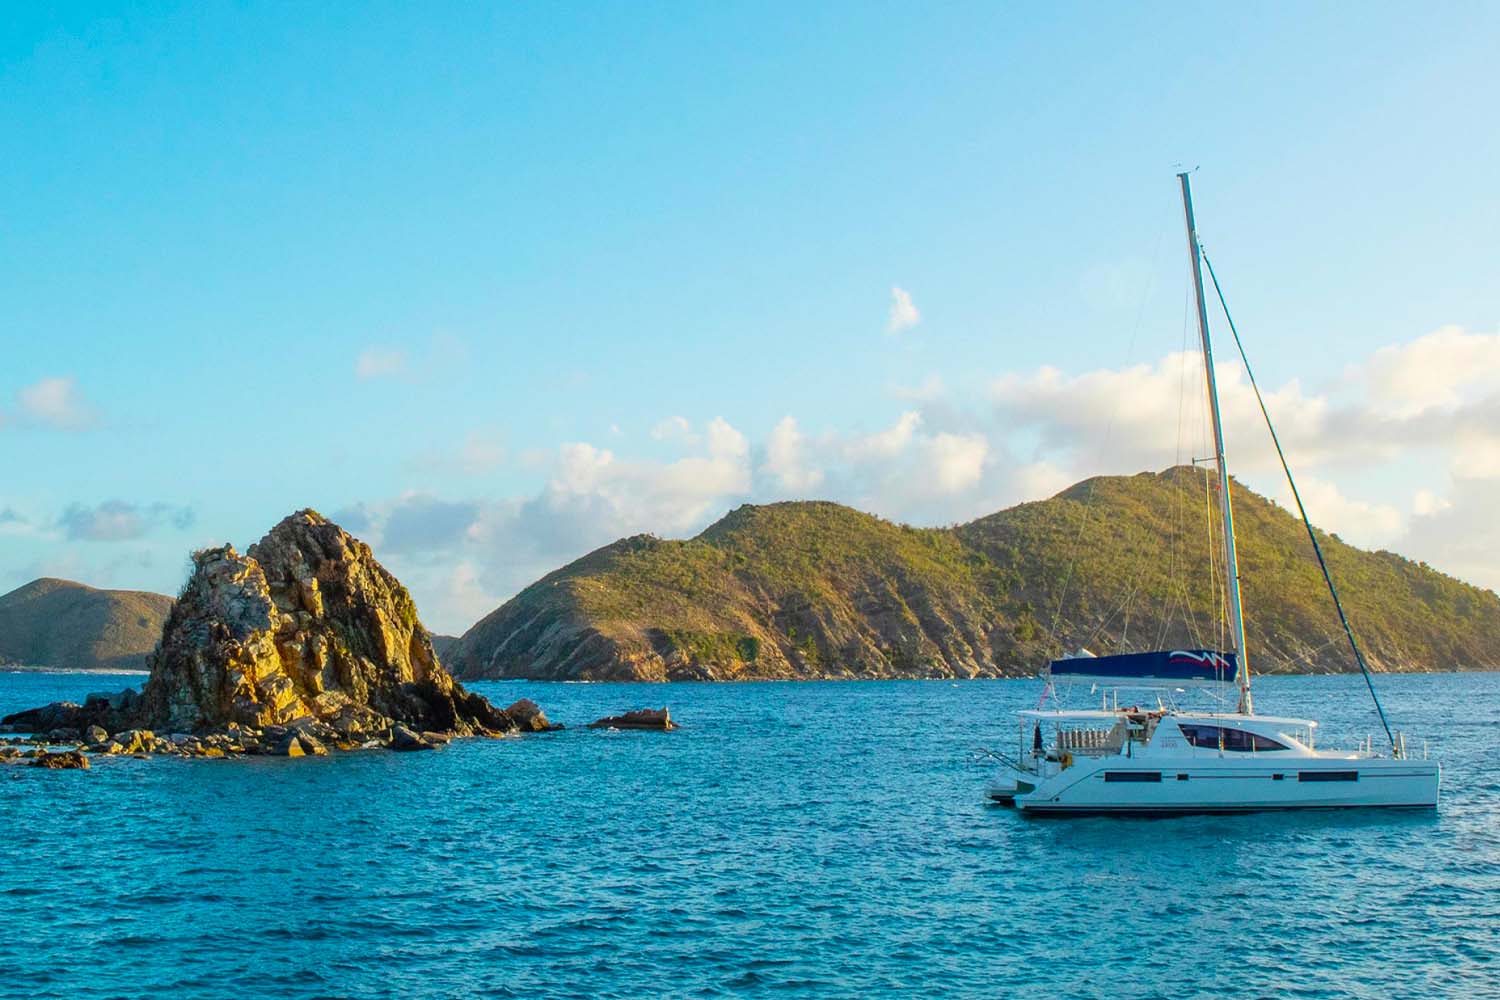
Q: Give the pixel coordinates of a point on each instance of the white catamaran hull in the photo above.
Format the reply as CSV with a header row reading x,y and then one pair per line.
x,y
1121,784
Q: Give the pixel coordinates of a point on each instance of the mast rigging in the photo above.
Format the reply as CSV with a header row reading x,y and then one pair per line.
x,y
1226,505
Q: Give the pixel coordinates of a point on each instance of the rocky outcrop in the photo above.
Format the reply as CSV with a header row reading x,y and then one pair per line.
x,y
641,718
303,641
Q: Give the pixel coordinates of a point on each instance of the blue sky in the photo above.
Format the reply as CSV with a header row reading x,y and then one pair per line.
x,y
498,283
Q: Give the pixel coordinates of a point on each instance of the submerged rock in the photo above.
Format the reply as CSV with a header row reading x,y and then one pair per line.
x,y
643,718
303,641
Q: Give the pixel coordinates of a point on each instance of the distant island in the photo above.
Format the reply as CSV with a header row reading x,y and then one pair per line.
x,y
815,590
809,590
65,625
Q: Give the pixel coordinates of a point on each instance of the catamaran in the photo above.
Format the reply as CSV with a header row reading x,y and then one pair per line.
x,y
1163,759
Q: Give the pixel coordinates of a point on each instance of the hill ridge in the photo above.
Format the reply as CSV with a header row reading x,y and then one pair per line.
x,y
814,589
53,622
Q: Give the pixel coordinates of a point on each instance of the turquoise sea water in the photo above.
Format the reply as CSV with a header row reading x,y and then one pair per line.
x,y
790,840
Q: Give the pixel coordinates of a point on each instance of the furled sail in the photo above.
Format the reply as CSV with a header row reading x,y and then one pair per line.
x,y
1162,668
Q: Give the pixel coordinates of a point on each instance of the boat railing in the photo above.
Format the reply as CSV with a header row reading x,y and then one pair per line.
x,y
1089,741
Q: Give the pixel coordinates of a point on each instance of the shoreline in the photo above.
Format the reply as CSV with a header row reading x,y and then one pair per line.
x,y
16,668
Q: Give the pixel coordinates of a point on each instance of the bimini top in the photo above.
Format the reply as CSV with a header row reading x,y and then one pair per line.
x,y
1162,668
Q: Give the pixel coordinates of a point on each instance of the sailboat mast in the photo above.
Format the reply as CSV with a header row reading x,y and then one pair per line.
x,y
1232,574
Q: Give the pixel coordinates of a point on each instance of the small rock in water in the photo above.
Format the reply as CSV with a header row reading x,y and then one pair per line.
x,y
64,760
530,717
96,734
644,718
298,744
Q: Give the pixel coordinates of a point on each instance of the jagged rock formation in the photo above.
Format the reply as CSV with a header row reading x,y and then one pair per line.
x,y
66,625
817,590
303,640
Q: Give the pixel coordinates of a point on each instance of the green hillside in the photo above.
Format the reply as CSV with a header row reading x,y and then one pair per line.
x,y
66,625
803,590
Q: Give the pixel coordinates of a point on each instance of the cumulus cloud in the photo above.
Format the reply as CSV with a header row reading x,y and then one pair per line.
x,y
1427,464
1426,502
1132,418
355,518
673,429
591,497
1431,402
1359,522
903,313
56,403
119,521
425,524
956,461
787,459
887,443
1459,533
1438,369
379,362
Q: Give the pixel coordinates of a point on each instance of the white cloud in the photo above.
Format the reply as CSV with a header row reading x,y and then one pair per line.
x,y
1039,480
887,443
726,442
1148,416
379,362
1428,476
1435,370
1460,534
904,314
956,461
673,429
1359,522
118,521
787,459
1427,502
929,390
56,403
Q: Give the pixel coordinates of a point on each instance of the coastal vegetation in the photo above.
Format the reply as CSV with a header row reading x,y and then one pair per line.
x,y
815,589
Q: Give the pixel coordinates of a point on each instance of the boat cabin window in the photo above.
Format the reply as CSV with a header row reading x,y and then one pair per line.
x,y
1234,740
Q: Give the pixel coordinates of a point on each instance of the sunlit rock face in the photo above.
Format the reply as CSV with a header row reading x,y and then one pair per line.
x,y
307,625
